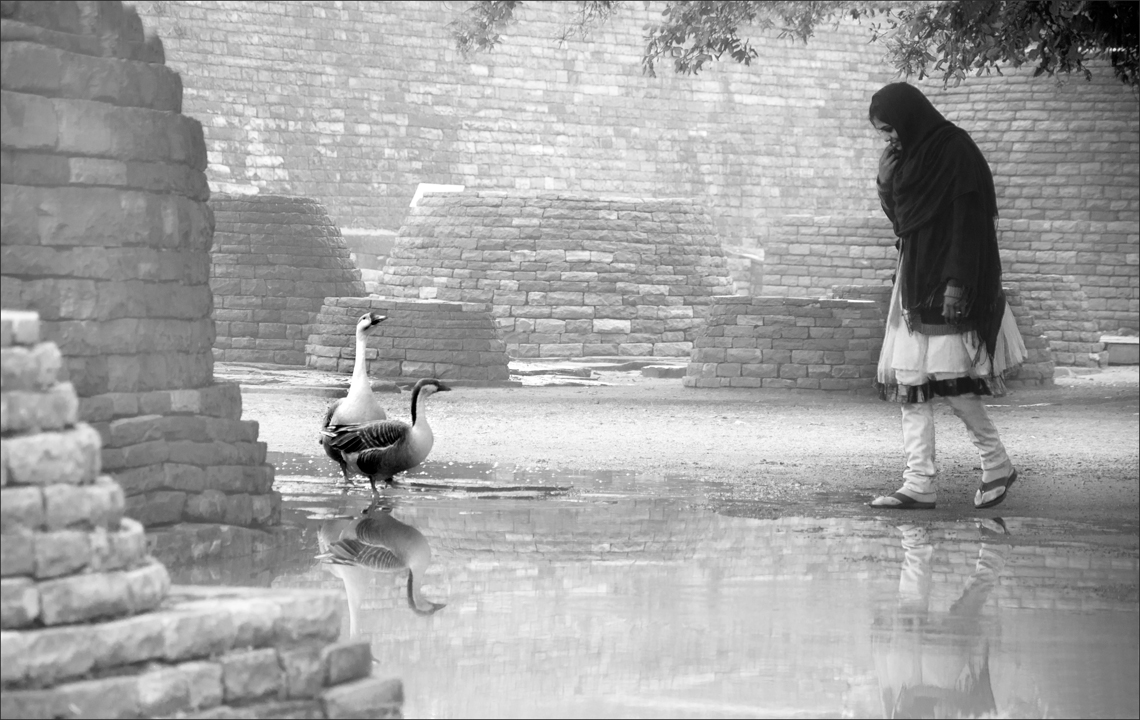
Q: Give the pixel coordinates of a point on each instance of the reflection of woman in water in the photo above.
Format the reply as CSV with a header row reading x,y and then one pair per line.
x,y
936,664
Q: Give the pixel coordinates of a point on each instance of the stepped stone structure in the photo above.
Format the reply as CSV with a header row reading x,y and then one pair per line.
x,y
90,624
420,338
566,275
274,261
828,343
107,236
1062,309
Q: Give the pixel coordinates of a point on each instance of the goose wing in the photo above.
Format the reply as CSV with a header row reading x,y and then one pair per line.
x,y
350,551
367,436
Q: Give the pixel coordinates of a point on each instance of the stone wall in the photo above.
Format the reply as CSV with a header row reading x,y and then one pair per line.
x,y
787,136
810,254
827,343
450,341
274,261
106,234
356,104
91,627
566,275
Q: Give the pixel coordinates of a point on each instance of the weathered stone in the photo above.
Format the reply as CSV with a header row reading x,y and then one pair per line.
x,y
21,508
70,456
83,597
347,661
251,675
19,602
17,553
308,616
61,552
184,687
19,327
30,369
370,697
304,669
195,632
161,507
28,412
100,504
208,506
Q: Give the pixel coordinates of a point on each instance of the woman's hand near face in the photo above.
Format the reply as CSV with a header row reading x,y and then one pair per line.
x,y
888,161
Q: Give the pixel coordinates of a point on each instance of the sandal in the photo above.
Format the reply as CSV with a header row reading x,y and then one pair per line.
x,y
987,488
900,501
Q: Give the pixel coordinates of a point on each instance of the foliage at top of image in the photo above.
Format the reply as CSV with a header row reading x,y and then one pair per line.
x,y
947,39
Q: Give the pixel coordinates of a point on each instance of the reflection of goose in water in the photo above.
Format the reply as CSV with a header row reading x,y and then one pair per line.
x,y
355,549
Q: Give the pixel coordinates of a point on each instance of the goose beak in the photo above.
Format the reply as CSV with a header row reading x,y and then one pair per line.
x,y
377,319
443,388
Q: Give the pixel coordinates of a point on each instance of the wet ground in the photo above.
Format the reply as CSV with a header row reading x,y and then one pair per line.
x,y
672,589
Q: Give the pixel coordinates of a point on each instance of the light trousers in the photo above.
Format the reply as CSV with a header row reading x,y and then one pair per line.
x,y
918,441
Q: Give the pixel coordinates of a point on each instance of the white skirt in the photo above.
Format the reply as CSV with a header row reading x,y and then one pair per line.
x,y
910,358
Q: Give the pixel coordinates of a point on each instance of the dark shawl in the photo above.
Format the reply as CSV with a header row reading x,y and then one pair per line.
x,y
941,175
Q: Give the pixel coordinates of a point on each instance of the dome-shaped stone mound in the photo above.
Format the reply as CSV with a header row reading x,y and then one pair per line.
x,y
566,275
275,259
420,338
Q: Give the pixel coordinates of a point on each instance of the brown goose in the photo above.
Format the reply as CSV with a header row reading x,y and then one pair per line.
x,y
375,542
383,449
359,405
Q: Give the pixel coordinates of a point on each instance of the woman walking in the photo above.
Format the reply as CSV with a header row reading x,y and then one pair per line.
x,y
949,332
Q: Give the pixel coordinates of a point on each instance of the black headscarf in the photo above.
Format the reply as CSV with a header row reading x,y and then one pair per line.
x,y
939,164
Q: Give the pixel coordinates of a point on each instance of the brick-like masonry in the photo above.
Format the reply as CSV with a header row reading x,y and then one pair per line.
x,y
90,624
566,275
107,237
419,339
274,261
787,135
828,343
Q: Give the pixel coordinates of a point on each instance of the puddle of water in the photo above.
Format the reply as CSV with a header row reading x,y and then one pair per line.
x,y
577,595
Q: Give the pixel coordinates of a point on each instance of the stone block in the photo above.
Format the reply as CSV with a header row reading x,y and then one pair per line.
x,y
208,506
17,553
196,632
19,327
304,668
346,661
161,507
180,688
100,504
21,508
19,602
28,412
370,697
61,552
69,456
88,596
111,697
308,616
251,675
30,369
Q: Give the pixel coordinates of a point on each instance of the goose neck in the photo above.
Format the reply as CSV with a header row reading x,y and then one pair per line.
x,y
360,366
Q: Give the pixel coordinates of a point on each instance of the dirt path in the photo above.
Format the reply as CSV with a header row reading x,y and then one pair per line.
x,y
778,452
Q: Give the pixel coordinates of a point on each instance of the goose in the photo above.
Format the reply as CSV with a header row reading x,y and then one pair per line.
x,y
382,449
375,542
359,405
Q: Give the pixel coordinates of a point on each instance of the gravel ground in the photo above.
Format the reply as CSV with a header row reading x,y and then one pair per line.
x,y
777,452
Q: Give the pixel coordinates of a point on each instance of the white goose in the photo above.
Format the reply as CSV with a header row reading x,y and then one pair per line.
x,y
359,405
375,542
382,449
